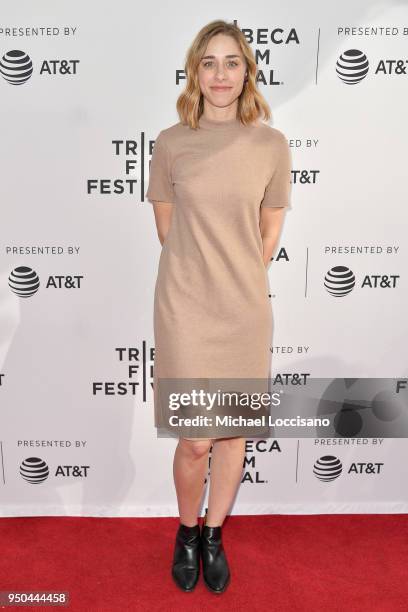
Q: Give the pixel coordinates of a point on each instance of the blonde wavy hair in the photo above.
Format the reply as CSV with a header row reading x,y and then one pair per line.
x,y
190,104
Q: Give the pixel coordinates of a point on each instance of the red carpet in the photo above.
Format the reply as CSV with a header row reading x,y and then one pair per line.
x,y
315,562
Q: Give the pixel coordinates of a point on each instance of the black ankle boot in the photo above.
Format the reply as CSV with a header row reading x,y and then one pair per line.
x,y
215,566
186,560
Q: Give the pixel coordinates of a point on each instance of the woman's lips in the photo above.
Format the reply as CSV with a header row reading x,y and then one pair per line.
x,y
220,88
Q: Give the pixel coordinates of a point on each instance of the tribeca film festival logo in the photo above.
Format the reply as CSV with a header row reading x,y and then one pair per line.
x,y
25,282
328,468
340,281
139,365
35,470
16,67
352,67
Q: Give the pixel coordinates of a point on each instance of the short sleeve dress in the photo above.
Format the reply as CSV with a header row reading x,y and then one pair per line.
x,y
212,312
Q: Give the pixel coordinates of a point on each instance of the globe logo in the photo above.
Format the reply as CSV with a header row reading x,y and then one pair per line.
x,y
327,468
23,281
34,470
352,66
16,67
339,281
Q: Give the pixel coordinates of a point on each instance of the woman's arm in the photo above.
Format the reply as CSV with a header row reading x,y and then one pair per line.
x,y
163,212
160,191
270,224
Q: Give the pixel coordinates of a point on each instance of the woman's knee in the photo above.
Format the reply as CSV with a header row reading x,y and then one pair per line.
x,y
195,448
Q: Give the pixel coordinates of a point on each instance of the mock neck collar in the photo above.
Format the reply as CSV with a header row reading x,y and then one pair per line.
x,y
215,124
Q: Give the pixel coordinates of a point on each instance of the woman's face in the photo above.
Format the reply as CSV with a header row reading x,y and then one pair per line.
x,y
221,71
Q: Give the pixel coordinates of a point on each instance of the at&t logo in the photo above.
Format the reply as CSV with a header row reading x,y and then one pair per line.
x,y
340,281
16,67
25,282
328,468
35,470
352,66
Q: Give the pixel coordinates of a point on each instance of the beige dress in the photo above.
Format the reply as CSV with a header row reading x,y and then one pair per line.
x,y
212,311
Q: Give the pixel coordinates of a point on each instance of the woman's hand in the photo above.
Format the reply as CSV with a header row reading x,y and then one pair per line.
x,y
163,212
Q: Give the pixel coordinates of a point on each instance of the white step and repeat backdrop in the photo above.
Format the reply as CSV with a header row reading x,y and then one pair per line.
x,y
85,89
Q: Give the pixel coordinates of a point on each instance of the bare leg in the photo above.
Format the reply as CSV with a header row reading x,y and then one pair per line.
x,y
189,470
227,460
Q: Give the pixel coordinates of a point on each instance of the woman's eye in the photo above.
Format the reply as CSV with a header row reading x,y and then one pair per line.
x,y
209,63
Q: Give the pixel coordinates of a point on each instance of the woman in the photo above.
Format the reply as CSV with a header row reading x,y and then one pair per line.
x,y
220,185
